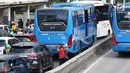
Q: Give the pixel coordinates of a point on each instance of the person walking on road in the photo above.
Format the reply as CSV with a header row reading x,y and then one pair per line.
x,y
27,23
62,54
20,23
13,27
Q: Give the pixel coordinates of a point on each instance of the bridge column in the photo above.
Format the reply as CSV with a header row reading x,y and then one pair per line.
x,y
28,12
7,16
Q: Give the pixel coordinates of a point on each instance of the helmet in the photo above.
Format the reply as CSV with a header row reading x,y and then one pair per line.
x,y
7,46
12,22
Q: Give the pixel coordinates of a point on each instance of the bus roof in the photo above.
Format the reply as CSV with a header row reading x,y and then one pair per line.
x,y
64,8
71,5
95,3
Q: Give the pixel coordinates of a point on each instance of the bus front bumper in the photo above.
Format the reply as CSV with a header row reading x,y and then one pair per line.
x,y
122,47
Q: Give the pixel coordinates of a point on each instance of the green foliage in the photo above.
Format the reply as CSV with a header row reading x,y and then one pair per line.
x,y
54,1
108,0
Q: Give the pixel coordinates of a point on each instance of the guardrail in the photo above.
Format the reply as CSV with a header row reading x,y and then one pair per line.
x,y
84,59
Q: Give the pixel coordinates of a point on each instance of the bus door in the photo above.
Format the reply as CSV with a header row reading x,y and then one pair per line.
x,y
79,25
75,23
90,25
111,13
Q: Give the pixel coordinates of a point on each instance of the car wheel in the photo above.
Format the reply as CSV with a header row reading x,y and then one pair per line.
x,y
51,63
41,69
108,33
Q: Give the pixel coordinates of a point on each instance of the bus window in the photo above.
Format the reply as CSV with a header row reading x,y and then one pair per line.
x,y
123,19
52,20
103,13
75,17
86,16
89,15
80,17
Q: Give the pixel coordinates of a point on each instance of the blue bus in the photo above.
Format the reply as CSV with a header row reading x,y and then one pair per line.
x,y
121,28
72,27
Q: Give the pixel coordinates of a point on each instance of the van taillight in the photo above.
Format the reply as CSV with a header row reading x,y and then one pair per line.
x,y
70,41
114,40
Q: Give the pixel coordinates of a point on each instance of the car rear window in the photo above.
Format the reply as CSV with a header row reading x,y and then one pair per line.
x,y
22,38
2,43
2,62
22,49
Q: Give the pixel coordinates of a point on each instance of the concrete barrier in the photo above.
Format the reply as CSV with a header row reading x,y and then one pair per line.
x,y
84,59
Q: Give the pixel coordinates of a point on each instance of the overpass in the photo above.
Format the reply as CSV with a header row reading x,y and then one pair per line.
x,y
9,8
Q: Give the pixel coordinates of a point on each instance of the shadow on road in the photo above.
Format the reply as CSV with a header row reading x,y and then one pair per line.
x,y
124,55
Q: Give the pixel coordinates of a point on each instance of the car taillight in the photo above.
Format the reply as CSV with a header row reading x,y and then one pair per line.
x,y
114,40
32,55
70,41
5,69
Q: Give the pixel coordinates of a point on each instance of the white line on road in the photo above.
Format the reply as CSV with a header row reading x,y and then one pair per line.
x,y
95,62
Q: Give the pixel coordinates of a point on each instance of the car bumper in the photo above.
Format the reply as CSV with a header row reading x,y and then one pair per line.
x,y
122,47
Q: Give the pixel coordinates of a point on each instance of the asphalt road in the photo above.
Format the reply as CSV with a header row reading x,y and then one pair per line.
x,y
56,61
111,62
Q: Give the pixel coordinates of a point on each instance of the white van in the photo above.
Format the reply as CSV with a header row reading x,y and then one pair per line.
x,y
7,40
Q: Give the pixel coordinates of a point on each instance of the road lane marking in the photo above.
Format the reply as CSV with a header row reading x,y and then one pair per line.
x,y
85,71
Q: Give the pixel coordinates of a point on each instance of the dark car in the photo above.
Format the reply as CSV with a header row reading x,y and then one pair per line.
x,y
39,56
13,64
24,37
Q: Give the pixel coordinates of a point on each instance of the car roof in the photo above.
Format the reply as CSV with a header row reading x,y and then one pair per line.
x,y
24,35
1,25
34,44
6,38
7,57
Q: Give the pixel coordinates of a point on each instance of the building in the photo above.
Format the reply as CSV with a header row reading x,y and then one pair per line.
x,y
11,10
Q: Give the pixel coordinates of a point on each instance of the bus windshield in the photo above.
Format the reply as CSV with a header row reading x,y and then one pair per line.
x,y
52,20
123,18
103,13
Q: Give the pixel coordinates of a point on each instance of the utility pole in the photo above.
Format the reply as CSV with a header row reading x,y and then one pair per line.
x,y
104,1
112,2
68,0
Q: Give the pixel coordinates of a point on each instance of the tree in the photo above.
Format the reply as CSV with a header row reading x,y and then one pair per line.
x,y
54,1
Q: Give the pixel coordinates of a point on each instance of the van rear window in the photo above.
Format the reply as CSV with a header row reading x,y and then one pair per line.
x,y
22,49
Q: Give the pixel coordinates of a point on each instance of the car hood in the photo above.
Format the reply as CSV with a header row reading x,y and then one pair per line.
x,y
21,54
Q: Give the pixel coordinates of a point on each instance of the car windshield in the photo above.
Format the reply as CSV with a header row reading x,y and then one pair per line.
x,y
2,43
22,49
2,62
22,38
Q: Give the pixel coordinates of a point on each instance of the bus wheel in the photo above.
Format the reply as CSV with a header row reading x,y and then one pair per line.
x,y
121,53
92,40
70,55
108,32
80,48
